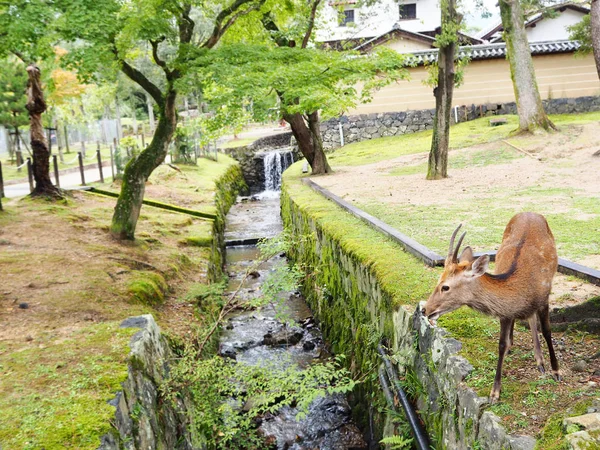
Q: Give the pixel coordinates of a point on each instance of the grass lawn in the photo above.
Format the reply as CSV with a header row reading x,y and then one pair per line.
x,y
66,286
490,181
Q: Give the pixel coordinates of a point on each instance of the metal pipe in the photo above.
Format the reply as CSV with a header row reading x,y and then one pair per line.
x,y
420,436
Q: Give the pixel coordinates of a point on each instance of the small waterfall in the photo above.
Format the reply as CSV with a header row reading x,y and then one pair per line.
x,y
275,163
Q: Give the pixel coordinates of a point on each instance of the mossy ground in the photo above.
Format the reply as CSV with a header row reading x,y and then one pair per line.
x,y
62,357
528,399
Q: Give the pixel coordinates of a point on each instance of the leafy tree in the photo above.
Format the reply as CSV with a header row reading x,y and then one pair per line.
x,y
446,78
308,82
150,41
587,32
532,116
13,83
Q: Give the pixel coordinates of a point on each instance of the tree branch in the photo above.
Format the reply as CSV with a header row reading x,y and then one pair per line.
x,y
272,27
186,25
159,62
219,29
141,79
311,23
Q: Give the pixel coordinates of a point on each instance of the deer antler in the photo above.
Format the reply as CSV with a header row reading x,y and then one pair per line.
x,y
455,255
453,252
449,257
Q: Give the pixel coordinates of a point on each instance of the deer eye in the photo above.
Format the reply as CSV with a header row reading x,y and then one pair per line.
x,y
445,288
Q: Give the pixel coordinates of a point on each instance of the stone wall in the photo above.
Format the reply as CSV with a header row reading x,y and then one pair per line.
x,y
142,420
371,126
274,141
227,188
354,309
251,156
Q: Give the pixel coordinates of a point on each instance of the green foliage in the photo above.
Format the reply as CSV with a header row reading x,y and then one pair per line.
x,y
228,396
13,83
397,442
582,32
306,79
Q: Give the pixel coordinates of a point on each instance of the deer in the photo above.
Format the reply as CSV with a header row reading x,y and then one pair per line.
x,y
519,289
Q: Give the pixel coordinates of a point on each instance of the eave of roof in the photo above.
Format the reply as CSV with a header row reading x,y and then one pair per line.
x,y
396,31
494,51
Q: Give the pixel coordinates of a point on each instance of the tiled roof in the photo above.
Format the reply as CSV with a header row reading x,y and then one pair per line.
x,y
492,51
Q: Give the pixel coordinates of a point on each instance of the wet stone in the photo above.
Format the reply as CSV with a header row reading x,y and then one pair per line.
x,y
327,426
283,338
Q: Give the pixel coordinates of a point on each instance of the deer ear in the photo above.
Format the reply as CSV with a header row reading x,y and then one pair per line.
x,y
480,265
466,255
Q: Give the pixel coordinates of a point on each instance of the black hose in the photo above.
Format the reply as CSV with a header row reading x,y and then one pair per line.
x,y
419,434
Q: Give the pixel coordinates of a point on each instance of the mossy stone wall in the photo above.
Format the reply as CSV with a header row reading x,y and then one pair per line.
x,y
227,188
358,305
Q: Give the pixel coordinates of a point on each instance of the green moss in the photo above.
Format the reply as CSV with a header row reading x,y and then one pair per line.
x,y
147,287
56,397
355,308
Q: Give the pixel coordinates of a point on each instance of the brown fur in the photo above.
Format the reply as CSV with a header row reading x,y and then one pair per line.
x,y
525,266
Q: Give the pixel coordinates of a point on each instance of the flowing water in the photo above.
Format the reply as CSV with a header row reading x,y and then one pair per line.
x,y
275,162
259,338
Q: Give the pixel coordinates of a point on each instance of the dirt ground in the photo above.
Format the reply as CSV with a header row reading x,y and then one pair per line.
x,y
564,159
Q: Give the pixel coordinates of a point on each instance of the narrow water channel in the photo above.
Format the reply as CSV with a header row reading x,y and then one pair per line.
x,y
259,338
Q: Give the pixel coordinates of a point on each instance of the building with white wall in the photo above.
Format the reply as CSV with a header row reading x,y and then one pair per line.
x,y
347,20
551,26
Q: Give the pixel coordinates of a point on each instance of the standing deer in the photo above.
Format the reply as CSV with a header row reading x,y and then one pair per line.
x,y
525,265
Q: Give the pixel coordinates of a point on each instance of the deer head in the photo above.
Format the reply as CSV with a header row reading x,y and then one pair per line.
x,y
456,285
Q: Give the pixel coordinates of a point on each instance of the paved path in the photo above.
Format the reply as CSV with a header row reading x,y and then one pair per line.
x,y
69,180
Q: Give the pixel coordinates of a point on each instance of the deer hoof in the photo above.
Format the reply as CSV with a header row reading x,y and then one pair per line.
x,y
557,376
494,397
541,369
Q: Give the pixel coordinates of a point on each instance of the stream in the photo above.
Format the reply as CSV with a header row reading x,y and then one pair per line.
x,y
257,337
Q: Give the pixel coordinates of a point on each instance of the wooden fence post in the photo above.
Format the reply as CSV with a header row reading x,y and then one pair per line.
x,y
19,156
30,174
112,163
55,164
67,139
100,165
80,157
1,182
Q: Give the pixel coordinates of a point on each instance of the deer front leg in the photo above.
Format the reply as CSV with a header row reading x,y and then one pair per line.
x,y
544,317
503,346
537,349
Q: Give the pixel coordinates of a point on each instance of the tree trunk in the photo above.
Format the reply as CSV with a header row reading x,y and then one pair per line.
x,y
138,170
595,25
150,112
309,140
532,116
41,156
438,155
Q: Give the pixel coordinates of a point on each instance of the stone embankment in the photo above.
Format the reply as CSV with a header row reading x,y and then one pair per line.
x,y
356,285
142,419
370,126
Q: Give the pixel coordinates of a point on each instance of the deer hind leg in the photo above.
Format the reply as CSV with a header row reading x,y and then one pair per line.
x,y
503,346
511,341
544,317
537,349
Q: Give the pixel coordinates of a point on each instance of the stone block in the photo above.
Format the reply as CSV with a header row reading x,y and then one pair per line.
x,y
588,422
582,440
